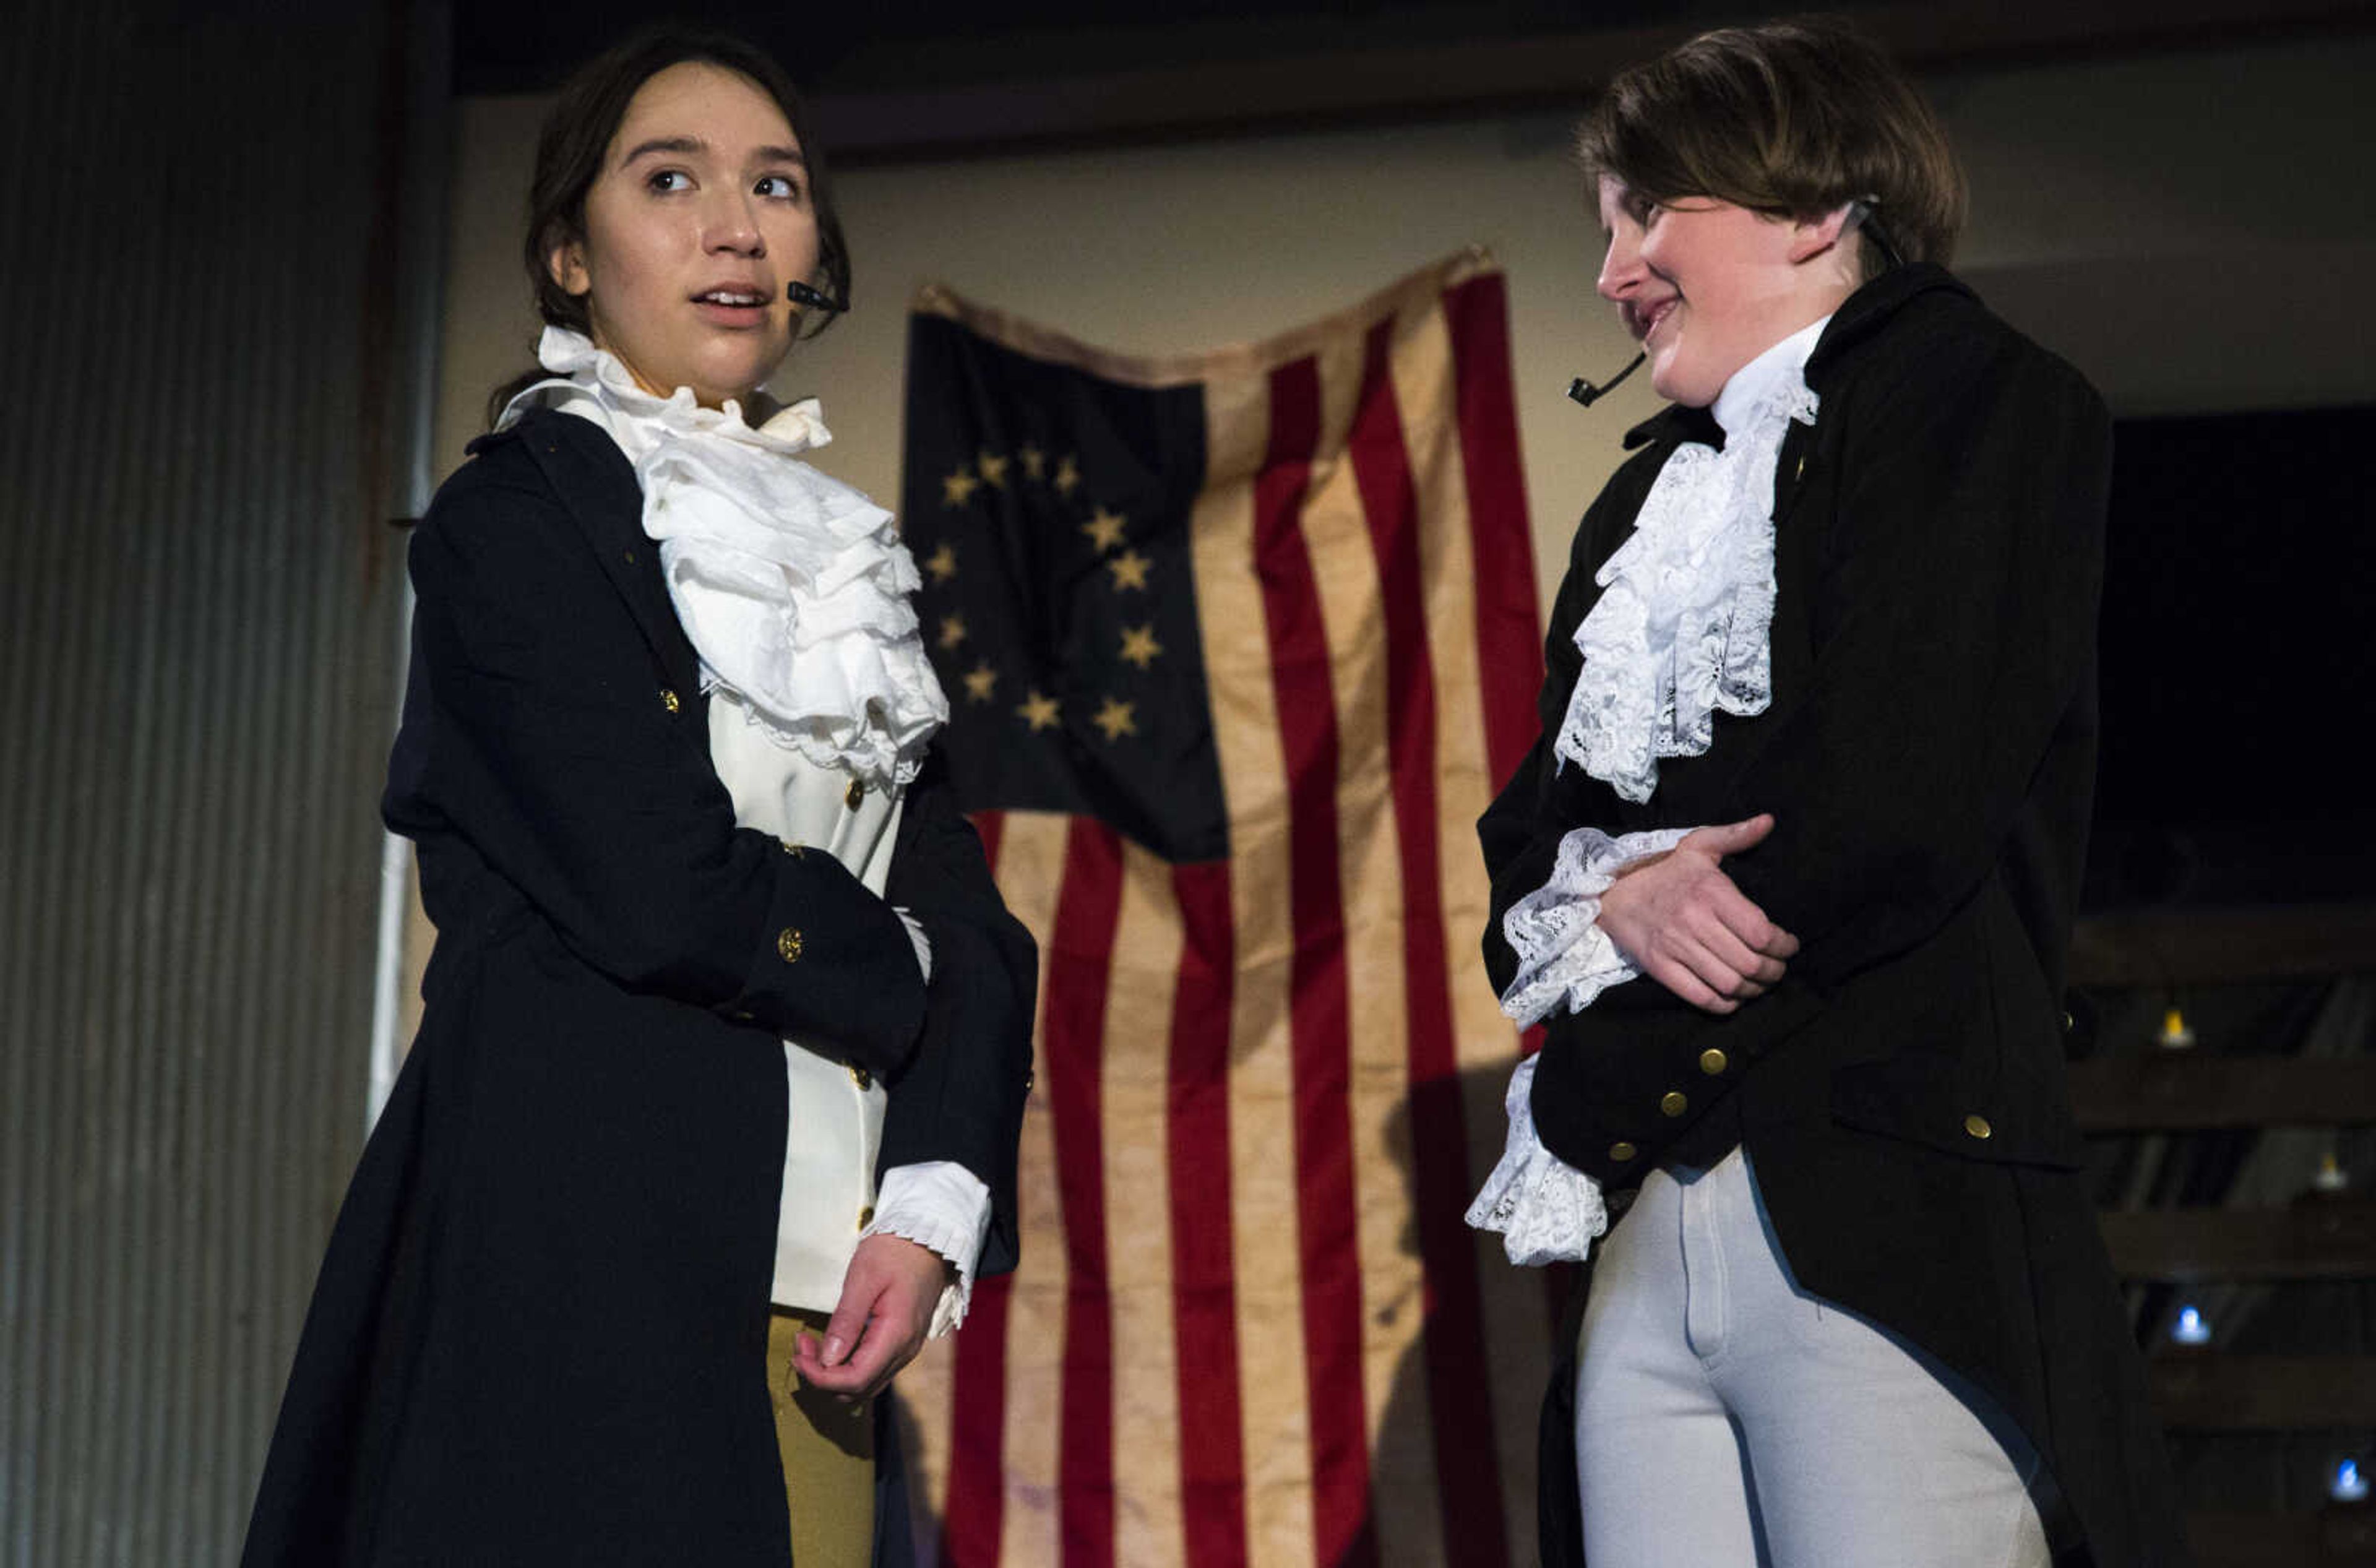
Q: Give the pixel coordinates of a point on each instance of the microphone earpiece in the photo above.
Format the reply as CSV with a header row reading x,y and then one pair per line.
x,y
800,293
1861,215
1585,393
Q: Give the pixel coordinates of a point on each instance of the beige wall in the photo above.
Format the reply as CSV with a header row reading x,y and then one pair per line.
x,y
2188,228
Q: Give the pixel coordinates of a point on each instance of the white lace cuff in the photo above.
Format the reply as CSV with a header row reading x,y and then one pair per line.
x,y
918,940
1545,1210
940,1205
1562,955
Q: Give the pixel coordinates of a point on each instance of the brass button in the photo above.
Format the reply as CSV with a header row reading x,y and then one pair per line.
x,y
866,1217
669,700
1713,1062
630,556
1978,1125
795,850
861,1077
1619,1153
2069,1023
857,793
788,944
1672,1103
1031,1079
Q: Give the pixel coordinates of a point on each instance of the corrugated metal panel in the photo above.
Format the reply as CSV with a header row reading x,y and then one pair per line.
x,y
197,602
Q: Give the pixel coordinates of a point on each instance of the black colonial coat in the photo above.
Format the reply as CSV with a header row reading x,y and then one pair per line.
x,y
539,1335
1929,756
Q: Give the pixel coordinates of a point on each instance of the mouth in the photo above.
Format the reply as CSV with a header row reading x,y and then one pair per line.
x,y
1643,320
735,304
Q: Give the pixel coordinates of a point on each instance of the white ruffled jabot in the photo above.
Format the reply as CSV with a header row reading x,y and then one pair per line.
x,y
1681,627
791,585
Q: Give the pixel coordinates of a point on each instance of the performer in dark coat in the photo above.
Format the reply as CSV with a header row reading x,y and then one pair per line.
x,y
1817,752
543,1330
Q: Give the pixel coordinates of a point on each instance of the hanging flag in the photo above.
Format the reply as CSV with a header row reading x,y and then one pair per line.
x,y
1238,646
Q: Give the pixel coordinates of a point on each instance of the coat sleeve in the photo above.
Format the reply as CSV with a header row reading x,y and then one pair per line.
x,y
961,1097
1519,837
1955,623
548,744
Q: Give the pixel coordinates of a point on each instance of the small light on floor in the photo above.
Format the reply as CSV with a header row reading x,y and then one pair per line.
x,y
2330,1177
2192,1328
2175,1035
2348,1485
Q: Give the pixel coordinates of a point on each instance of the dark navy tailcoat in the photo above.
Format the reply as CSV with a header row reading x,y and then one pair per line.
x,y
540,1333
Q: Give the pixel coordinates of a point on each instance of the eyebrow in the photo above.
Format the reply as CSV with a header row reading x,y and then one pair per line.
x,y
667,144
688,146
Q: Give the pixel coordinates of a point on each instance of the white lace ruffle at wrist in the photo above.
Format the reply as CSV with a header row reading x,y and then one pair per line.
x,y
942,1206
917,939
792,587
1682,625
1563,956
1545,1210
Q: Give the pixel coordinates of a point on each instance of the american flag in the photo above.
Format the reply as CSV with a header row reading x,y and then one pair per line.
x,y
1238,647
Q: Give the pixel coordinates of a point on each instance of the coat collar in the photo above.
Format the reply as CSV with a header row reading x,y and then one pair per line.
x,y
1858,317
596,485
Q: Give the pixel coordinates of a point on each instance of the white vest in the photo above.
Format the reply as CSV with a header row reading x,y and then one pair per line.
x,y
834,1128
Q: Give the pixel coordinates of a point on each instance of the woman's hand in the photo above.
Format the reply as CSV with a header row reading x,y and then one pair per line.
x,y
887,1297
1690,928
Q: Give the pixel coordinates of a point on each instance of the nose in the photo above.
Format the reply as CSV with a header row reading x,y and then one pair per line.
x,y
731,225
1621,270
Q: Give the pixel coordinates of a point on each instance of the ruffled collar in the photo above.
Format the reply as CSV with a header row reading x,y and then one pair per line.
x,y
792,587
587,379
1682,625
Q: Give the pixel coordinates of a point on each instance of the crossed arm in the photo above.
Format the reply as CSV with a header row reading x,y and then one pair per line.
x,y
1954,609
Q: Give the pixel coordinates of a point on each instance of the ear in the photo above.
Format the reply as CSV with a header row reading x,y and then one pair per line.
x,y
1811,237
567,262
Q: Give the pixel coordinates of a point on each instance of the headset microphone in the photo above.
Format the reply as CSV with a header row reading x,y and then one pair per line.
x,y
814,298
1585,393
1860,215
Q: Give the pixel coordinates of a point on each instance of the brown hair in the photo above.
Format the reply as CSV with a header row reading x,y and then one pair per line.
x,y
1790,119
577,134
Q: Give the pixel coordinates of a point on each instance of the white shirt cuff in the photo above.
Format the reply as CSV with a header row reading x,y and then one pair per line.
x,y
940,1205
1546,1210
1563,956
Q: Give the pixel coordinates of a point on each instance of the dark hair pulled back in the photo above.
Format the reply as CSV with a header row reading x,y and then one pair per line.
x,y
578,132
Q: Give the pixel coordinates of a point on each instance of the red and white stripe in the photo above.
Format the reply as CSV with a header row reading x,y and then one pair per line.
x,y
1250,1328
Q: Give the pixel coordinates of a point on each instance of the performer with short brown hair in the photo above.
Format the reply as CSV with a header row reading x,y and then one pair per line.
x,y
1788,876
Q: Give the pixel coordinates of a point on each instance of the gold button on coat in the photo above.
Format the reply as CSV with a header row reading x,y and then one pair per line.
x,y
795,850
1621,1152
861,1077
857,793
1978,1125
1673,1102
1713,1062
669,700
788,944
866,1217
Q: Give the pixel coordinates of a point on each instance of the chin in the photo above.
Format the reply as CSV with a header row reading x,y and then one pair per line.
x,y
1675,390
742,380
